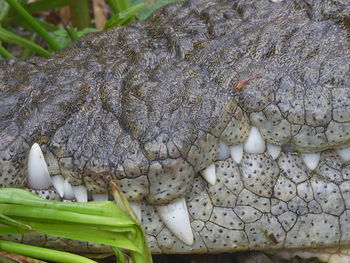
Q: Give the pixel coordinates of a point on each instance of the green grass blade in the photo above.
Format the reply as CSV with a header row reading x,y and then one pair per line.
x,y
16,20
42,253
44,5
25,198
125,16
77,232
36,26
12,222
4,52
9,37
151,6
72,32
6,229
54,215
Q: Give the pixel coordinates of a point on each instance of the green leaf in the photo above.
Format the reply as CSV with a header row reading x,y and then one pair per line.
x,y
147,11
100,222
118,6
65,36
122,17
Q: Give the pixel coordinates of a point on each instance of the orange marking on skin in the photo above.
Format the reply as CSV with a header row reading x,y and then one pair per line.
x,y
240,85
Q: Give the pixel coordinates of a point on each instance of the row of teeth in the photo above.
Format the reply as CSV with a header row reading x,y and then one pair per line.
x,y
256,144
175,214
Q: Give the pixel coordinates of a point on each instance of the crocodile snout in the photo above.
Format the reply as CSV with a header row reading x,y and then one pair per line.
x,y
227,127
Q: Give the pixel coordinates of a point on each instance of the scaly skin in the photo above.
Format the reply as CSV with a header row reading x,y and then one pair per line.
x,y
147,105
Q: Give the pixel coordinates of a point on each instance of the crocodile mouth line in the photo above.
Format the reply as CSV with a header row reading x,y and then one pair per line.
x,y
256,195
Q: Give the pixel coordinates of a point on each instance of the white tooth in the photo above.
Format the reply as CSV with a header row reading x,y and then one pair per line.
x,y
224,151
209,174
58,183
175,217
80,193
273,150
344,153
38,174
136,206
255,142
100,197
237,152
311,159
68,191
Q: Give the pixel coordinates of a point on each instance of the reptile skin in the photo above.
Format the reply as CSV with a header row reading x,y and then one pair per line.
x,y
148,105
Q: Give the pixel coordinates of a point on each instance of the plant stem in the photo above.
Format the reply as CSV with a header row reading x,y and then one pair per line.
x,y
36,26
42,253
80,13
72,33
145,256
4,52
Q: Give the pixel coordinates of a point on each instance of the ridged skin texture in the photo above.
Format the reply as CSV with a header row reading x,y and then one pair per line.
x,y
146,105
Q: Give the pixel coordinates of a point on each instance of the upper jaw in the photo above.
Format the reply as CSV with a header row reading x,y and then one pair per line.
x,y
237,169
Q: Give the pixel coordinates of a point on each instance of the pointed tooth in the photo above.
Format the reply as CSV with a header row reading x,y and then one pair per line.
x,y
175,217
224,151
38,174
68,191
58,183
209,174
80,193
236,152
136,206
100,197
273,150
255,142
344,154
311,159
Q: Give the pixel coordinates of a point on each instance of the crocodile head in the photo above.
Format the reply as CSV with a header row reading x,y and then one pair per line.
x,y
228,120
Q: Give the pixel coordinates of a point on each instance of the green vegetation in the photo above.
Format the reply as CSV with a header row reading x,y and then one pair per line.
x,y
99,222
45,37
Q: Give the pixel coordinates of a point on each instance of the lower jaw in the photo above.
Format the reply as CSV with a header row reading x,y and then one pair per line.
x,y
263,203
233,216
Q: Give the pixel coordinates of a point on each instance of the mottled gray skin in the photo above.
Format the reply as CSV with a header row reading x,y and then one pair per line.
x,y
146,105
